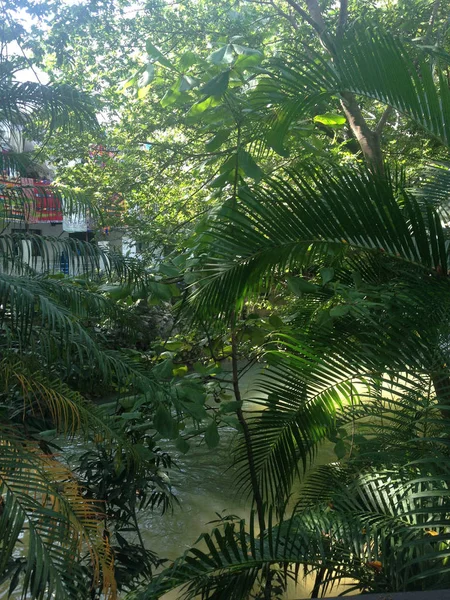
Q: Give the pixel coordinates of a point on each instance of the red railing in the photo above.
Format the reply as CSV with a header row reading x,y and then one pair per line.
x,y
30,200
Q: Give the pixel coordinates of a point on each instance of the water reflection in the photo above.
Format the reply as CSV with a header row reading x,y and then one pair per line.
x,y
204,484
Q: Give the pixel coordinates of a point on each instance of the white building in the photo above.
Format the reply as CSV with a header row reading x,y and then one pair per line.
x,y
28,205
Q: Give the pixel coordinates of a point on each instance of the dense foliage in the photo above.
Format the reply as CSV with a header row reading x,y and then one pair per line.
x,y
285,166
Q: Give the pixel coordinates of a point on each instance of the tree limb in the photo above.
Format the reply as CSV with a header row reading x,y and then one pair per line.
x,y
368,140
343,16
383,120
287,16
316,14
309,19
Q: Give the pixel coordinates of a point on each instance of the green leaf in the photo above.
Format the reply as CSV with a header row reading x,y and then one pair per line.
x,y
116,291
170,97
299,286
246,51
276,321
340,449
143,91
340,311
187,83
147,76
143,452
164,423
163,370
195,410
222,179
180,371
199,107
222,56
161,291
130,82
246,61
212,437
331,119
216,86
174,290
182,445
187,60
211,368
129,416
174,345
157,55
127,403
229,164
169,270
48,433
248,165
257,336
230,407
215,142
327,274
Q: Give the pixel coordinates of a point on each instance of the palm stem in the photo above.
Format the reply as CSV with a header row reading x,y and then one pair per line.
x,y
246,431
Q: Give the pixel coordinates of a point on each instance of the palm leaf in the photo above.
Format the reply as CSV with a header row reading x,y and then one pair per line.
x,y
289,224
68,411
33,105
18,202
385,528
84,258
306,391
367,62
40,494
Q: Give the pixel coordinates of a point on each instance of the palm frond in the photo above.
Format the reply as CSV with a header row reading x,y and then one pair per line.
x,y
368,62
40,495
434,186
67,410
370,365
384,527
33,105
19,252
234,558
301,399
290,224
21,201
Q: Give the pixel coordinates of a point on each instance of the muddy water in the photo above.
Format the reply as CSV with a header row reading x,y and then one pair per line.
x,y
205,486
204,483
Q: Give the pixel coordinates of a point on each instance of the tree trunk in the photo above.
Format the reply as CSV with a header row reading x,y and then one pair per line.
x,y
368,140
246,432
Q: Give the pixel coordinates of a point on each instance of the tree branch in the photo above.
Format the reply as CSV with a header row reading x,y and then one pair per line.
x,y
315,19
383,120
343,16
306,16
368,140
287,16
316,14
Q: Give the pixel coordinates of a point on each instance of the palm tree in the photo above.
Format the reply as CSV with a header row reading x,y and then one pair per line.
x,y
46,345
362,357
